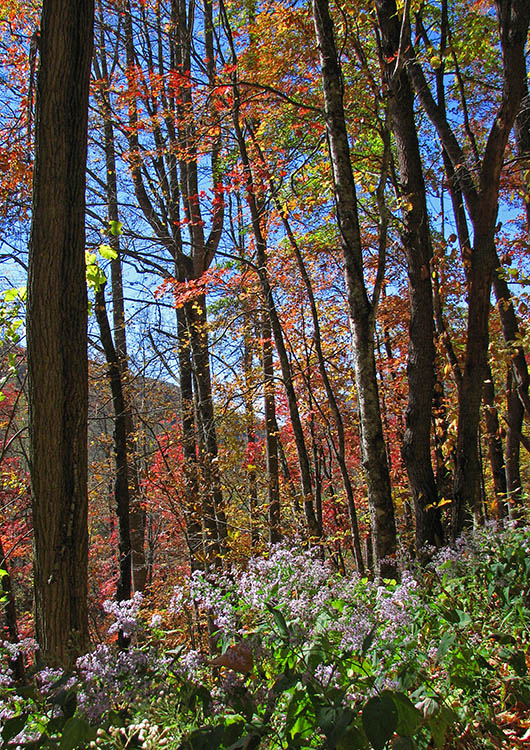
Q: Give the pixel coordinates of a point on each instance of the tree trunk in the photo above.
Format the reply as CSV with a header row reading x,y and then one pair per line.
x,y
16,663
198,331
271,430
276,327
192,514
481,195
116,346
522,140
121,483
494,443
57,333
360,308
417,244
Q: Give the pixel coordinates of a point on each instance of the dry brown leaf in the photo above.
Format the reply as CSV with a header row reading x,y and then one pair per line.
x,y
237,657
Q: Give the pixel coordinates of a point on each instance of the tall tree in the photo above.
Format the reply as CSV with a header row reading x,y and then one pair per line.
x,y
480,188
417,244
131,516
57,332
361,308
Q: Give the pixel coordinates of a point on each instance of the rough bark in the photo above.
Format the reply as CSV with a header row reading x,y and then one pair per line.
x,y
196,317
250,429
522,140
417,245
360,308
481,196
57,333
192,514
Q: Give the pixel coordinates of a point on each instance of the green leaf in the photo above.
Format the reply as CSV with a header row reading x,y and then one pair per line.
x,y
368,640
13,726
233,730
10,295
285,682
439,723
464,619
205,738
518,661
380,720
446,641
409,718
95,277
107,252
352,739
334,723
279,620
76,732
403,743
115,227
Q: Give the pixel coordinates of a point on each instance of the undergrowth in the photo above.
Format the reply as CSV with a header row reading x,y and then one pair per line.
x,y
305,658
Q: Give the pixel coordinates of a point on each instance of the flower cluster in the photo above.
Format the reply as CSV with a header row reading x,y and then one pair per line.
x,y
126,615
109,679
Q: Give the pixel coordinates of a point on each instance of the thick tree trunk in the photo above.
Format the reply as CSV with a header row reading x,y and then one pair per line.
x,y
418,249
360,309
513,446
250,429
57,333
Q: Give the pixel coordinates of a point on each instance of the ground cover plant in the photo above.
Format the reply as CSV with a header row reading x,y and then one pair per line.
x,y
305,657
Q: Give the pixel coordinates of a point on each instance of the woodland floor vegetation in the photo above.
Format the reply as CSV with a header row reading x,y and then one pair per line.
x,y
264,366
307,658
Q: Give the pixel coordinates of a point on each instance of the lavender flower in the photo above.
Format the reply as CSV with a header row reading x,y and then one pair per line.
x,y
126,615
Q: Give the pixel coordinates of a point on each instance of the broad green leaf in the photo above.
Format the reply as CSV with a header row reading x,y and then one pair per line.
x,y
352,739
107,252
368,640
13,726
10,295
403,743
409,718
334,722
446,641
205,738
76,733
439,723
95,277
380,720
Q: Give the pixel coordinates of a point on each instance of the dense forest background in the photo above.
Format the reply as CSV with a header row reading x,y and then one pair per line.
x,y
305,244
